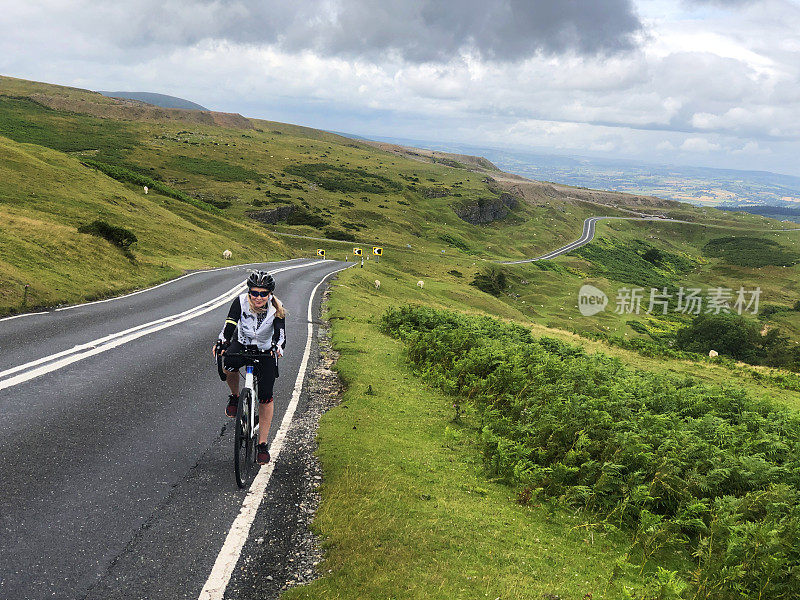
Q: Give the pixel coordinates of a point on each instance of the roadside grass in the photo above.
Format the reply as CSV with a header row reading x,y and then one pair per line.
x,y
646,451
408,510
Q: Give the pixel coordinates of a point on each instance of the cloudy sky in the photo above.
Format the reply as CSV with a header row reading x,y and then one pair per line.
x,y
690,82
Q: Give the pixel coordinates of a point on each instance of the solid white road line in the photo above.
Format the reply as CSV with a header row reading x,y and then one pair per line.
x,y
214,588
59,360
157,286
44,312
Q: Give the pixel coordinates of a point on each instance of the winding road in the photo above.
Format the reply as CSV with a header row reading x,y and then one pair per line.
x,y
586,237
115,453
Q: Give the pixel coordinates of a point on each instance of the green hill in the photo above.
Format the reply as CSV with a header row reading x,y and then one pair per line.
x,y
74,164
246,180
224,173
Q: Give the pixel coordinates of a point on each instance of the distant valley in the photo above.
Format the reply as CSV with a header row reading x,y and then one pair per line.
x,y
697,185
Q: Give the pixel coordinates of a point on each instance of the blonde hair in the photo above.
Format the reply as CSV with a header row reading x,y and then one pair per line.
x,y
280,311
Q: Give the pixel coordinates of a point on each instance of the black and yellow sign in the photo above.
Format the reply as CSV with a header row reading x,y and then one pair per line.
x,y
320,252
357,251
377,251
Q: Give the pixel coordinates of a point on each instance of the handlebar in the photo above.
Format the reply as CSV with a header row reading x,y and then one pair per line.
x,y
252,357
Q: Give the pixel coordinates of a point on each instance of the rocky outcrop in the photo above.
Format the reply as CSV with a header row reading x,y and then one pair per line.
x,y
487,210
434,192
272,216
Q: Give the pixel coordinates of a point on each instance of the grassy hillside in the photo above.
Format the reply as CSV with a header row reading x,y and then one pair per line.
x,y
359,193
413,483
41,245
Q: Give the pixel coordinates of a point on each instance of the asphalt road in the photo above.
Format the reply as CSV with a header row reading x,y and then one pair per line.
x,y
586,237
116,474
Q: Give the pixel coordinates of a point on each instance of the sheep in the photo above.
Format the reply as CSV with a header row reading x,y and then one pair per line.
x,y
146,189
377,284
227,254
713,353
420,284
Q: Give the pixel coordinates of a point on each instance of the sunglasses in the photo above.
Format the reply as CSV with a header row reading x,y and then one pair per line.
x,y
255,294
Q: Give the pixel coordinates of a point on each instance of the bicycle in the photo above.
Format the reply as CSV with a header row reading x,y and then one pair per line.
x,y
245,437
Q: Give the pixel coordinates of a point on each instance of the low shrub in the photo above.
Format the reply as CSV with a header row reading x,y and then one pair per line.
x,y
119,236
635,262
747,251
455,242
337,234
739,338
681,464
301,216
342,179
492,280
728,334
215,169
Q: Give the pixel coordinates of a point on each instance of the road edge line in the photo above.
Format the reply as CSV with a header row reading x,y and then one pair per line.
x,y
217,582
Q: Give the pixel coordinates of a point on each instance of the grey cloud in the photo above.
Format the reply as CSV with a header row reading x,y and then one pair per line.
x,y
417,31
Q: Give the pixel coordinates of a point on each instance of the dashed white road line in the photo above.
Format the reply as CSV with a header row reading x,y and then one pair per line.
x,y
214,588
47,364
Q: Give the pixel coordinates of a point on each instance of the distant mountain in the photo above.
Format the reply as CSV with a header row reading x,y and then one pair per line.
x,y
161,100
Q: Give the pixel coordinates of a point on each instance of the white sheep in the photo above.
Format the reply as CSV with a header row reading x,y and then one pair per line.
x,y
146,189
227,254
377,284
713,353
420,284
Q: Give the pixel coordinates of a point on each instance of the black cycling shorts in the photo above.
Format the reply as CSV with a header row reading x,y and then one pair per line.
x,y
264,371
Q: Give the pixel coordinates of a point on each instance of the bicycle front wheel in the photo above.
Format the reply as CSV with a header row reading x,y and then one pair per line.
x,y
242,443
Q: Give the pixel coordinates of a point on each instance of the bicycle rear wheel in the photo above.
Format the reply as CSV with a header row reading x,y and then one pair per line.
x,y
242,443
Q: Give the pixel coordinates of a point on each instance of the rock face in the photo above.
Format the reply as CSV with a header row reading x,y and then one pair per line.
x,y
272,216
487,210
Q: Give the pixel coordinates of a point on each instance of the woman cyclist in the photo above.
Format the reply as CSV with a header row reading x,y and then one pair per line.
x,y
261,321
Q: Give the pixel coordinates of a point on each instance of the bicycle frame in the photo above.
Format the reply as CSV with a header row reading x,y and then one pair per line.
x,y
251,383
246,433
